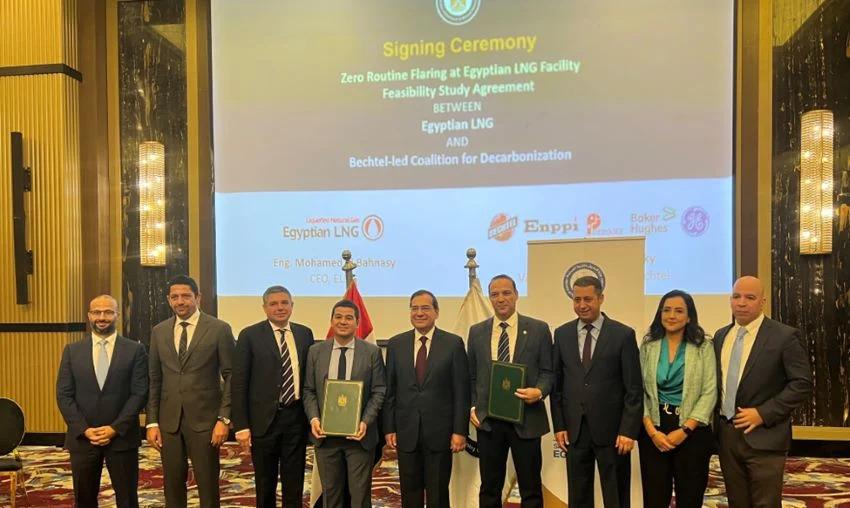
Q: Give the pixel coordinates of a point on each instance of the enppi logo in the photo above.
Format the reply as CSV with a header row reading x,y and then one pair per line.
x,y
502,227
593,222
552,228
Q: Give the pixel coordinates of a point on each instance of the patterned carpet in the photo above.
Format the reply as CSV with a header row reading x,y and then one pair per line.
x,y
818,483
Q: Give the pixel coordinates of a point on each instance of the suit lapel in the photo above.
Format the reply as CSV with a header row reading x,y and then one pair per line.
x,y
488,346
758,347
359,360
269,341
88,358
200,331
601,344
406,351
118,349
521,337
437,344
170,343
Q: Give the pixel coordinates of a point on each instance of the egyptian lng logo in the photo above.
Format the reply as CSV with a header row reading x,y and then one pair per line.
x,y
457,12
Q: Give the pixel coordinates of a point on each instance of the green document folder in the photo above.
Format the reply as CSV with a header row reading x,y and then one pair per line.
x,y
505,378
341,407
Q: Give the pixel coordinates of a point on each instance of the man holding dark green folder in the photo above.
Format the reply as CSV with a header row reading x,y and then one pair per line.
x,y
508,345
339,372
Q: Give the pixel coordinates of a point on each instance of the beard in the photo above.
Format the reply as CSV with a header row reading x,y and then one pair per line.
x,y
105,331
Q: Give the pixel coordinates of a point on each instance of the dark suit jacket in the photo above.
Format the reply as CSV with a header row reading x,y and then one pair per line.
x,y
257,375
776,380
368,367
440,406
609,393
534,350
83,404
200,385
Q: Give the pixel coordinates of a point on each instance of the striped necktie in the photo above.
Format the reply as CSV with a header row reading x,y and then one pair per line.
x,y
287,387
504,345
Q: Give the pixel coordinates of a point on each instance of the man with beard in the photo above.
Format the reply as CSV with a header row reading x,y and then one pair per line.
x,y
101,388
191,354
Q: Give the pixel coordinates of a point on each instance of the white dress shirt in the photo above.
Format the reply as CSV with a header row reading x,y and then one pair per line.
x,y
95,346
729,342
293,355
333,368
594,334
190,330
417,343
497,332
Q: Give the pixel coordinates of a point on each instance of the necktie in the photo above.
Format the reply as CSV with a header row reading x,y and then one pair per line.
x,y
421,361
504,354
340,371
733,374
184,341
287,387
587,351
101,367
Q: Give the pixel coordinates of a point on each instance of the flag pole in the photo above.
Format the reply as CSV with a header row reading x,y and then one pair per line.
x,y
348,267
471,265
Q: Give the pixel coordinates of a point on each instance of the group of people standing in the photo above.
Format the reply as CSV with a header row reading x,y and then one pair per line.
x,y
678,395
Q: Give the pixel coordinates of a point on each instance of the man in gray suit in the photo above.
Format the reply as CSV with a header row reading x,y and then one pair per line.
x,y
345,357
510,337
188,411
763,375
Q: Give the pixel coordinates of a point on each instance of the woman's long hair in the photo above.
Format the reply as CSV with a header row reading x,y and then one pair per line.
x,y
693,331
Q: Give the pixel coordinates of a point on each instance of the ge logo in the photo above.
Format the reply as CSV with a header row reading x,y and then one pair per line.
x,y
695,221
373,227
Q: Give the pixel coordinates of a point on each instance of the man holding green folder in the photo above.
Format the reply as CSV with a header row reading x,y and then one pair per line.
x,y
344,379
507,345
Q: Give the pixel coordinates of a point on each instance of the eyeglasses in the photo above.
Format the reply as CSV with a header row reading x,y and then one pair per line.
x,y
423,308
104,313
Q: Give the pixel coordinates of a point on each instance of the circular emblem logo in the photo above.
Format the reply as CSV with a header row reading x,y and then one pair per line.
x,y
580,270
502,227
373,227
457,12
695,221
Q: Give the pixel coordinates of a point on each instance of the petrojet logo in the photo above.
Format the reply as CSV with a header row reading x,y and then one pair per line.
x,y
502,227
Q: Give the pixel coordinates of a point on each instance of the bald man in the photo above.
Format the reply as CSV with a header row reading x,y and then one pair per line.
x,y
763,375
101,388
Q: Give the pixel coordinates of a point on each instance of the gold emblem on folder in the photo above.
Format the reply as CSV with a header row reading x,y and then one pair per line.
x,y
506,384
342,401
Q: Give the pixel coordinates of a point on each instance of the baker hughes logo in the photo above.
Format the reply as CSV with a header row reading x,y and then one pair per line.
x,y
580,270
502,227
370,227
457,12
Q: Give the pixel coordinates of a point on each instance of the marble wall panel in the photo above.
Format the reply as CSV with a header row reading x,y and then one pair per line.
x,y
811,70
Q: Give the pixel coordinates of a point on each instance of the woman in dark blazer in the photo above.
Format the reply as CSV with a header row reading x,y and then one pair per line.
x,y
680,392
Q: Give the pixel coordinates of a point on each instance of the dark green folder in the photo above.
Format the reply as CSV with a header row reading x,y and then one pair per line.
x,y
505,378
341,407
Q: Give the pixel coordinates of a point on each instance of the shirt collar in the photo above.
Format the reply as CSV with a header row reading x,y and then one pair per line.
x,y
192,320
597,324
350,344
753,327
110,339
511,321
429,335
276,328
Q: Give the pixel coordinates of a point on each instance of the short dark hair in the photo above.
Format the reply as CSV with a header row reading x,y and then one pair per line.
x,y
426,292
184,280
589,281
276,289
347,304
502,276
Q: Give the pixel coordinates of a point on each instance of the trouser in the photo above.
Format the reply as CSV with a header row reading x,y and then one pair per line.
x,y
753,477
123,467
279,455
493,446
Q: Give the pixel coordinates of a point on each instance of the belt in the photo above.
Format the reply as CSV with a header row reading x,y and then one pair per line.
x,y
281,406
726,420
669,409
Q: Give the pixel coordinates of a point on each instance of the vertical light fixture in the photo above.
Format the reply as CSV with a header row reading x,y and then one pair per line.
x,y
152,203
816,174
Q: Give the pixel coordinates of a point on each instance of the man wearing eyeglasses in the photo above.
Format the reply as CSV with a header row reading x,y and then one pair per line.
x,y
101,388
427,405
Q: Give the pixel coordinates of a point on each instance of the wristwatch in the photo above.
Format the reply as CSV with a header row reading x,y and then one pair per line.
x,y
224,420
687,430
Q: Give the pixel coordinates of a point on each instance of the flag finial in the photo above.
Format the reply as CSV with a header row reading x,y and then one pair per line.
x,y
471,265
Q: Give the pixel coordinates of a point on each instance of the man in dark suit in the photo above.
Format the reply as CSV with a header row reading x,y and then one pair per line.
x,y
597,402
269,418
427,406
510,337
763,375
345,357
101,388
188,411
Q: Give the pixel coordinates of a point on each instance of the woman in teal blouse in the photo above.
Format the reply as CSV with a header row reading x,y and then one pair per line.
x,y
680,392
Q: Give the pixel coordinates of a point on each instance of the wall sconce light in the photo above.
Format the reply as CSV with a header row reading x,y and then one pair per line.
x,y
816,175
152,203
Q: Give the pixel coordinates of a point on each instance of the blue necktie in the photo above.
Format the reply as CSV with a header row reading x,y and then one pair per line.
x,y
733,374
101,367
